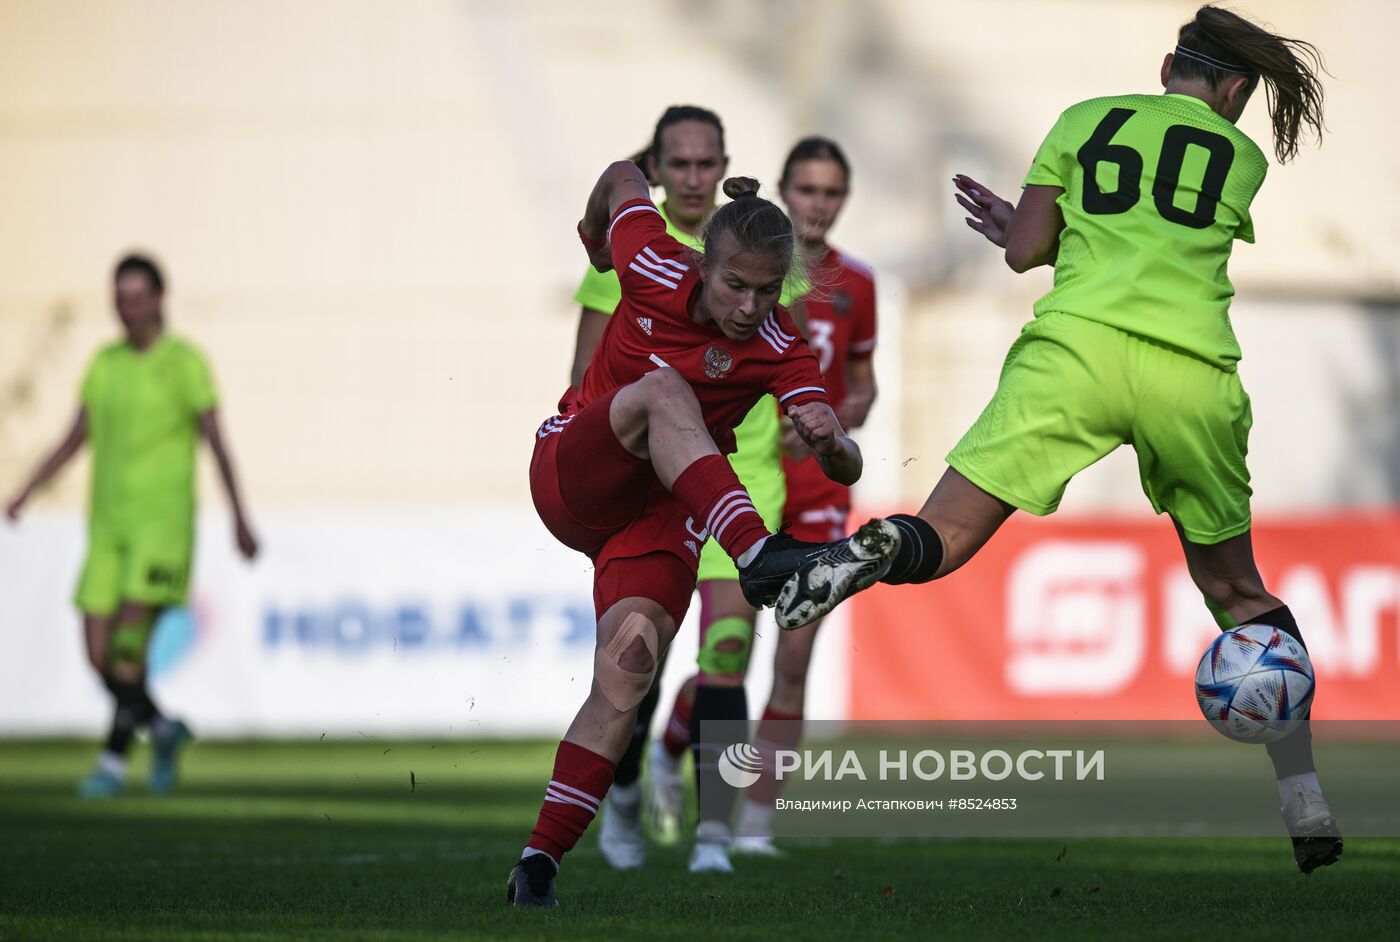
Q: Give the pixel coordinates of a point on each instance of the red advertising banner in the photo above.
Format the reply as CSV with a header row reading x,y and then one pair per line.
x,y
1082,619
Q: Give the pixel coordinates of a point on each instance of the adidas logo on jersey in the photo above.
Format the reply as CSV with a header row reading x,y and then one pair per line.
x,y
645,324
690,545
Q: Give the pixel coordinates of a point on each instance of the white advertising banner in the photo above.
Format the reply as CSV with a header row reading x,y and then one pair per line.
x,y
426,622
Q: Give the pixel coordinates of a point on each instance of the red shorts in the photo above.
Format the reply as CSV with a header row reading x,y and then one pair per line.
x,y
598,498
816,507
817,524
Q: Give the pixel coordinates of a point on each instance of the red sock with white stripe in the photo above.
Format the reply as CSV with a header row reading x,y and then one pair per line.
x,y
711,491
676,739
581,779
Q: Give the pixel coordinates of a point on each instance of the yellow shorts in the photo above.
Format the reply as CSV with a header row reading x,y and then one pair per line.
x,y
1072,390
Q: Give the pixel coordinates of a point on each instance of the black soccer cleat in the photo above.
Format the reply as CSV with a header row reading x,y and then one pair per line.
x,y
763,578
531,882
1317,851
839,571
1317,841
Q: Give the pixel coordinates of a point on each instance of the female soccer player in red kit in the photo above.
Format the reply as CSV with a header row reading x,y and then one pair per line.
x,y
840,328
632,470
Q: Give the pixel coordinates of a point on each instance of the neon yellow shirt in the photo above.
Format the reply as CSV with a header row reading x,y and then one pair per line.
x,y
143,411
1157,188
756,438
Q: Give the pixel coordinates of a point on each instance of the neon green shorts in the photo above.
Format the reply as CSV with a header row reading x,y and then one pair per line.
x,y
1072,390
151,566
759,464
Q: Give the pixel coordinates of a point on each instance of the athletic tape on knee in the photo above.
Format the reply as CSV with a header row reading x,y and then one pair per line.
x,y
712,660
625,689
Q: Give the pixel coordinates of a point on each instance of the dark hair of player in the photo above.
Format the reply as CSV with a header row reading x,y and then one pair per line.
x,y
144,265
675,115
815,148
1218,43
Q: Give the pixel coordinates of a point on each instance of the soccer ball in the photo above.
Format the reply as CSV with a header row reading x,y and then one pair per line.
x,y
1254,683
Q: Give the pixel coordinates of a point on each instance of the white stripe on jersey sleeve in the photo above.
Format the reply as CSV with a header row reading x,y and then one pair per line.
x,y
664,261
641,207
661,270
797,392
865,346
777,329
765,331
656,278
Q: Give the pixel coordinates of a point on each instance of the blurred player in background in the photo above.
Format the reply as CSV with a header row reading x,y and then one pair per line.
x,y
145,402
632,472
687,159
839,318
1136,201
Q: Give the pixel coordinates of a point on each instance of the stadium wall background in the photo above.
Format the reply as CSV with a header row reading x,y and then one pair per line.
x,y
361,207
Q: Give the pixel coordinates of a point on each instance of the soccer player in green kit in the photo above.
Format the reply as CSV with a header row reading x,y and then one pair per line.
x,y
687,159
145,402
1136,201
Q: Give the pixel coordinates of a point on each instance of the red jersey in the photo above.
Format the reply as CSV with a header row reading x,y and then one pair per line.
x,y
652,327
840,328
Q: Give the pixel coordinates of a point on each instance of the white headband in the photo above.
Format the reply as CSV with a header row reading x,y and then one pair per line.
x,y
1214,63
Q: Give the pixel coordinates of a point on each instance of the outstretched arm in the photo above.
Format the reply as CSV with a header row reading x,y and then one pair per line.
x,y
1030,232
243,534
56,460
622,181
838,455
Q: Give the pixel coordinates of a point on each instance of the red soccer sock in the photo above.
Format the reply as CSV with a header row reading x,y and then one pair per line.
x,y
711,491
676,739
581,779
776,731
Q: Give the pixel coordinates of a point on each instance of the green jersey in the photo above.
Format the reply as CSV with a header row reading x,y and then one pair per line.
x,y
756,438
1156,190
143,411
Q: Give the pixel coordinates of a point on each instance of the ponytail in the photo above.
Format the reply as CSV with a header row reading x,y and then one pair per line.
x,y
1218,43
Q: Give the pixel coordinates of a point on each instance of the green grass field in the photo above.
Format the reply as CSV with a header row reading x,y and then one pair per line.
x,y
327,840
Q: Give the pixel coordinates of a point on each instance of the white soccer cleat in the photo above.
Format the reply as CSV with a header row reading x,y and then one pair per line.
x,y
754,845
1317,841
843,569
710,857
620,836
664,797
711,851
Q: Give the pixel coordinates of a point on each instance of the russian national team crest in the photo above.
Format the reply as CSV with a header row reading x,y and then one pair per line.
x,y
718,361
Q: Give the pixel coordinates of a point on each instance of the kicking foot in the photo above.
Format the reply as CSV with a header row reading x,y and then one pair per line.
x,y
531,883
1317,841
780,556
842,569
